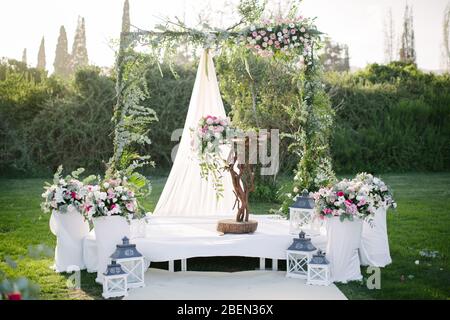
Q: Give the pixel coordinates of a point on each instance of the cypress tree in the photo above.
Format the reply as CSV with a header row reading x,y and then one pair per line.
x,y
41,56
407,49
126,17
62,58
79,51
24,56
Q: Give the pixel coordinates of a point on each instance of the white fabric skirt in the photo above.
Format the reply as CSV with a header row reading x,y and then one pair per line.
x,y
343,241
109,232
70,229
374,249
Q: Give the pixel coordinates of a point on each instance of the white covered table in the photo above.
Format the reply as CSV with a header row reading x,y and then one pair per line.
x,y
180,238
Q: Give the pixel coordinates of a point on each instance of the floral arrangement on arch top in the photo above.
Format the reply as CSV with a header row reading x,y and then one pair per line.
x,y
277,36
258,30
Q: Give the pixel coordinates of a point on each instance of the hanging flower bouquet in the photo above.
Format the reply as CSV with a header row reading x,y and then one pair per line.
x,y
111,198
378,190
211,132
348,199
64,192
270,36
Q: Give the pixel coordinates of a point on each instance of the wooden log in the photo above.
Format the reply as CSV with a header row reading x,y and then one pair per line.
x,y
232,226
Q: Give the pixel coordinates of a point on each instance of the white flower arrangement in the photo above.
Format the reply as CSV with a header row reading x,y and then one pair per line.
x,y
378,190
64,192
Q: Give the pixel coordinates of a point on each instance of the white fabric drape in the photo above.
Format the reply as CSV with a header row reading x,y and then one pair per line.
x,y
374,249
109,232
343,241
70,229
186,193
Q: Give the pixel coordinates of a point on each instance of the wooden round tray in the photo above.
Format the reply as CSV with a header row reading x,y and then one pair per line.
x,y
232,226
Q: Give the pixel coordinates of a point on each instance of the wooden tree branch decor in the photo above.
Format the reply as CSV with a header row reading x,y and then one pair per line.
x,y
243,179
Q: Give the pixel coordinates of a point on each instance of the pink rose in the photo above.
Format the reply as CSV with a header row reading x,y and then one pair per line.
x,y
111,193
293,31
130,207
340,194
254,34
362,202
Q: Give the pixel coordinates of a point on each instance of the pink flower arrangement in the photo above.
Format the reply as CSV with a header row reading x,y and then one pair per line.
x,y
210,132
111,198
347,199
290,33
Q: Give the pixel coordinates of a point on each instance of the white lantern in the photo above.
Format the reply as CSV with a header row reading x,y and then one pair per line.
x,y
298,255
301,213
319,270
132,263
114,281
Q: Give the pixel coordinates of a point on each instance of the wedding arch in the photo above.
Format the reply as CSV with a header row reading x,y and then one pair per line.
x,y
293,40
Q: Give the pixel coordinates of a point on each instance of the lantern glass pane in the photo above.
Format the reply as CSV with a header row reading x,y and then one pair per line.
x,y
134,270
117,285
299,218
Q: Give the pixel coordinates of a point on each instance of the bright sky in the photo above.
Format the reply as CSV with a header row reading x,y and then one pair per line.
x,y
358,23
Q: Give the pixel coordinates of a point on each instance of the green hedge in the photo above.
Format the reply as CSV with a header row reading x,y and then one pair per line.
x,y
388,118
391,118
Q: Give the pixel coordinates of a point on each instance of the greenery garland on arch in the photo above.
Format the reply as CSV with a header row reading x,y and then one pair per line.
x,y
292,40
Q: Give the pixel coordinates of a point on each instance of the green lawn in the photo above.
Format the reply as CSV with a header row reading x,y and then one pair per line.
x,y
421,223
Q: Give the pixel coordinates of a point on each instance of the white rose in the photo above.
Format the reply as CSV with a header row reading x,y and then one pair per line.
x,y
106,185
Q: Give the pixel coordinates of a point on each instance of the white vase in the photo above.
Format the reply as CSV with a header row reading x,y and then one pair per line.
x,y
109,232
374,250
343,241
70,228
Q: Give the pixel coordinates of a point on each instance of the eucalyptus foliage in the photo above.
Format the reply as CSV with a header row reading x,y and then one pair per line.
x,y
132,119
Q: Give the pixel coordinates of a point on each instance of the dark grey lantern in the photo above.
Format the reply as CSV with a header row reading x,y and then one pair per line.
x,y
125,250
303,201
114,269
302,244
319,258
